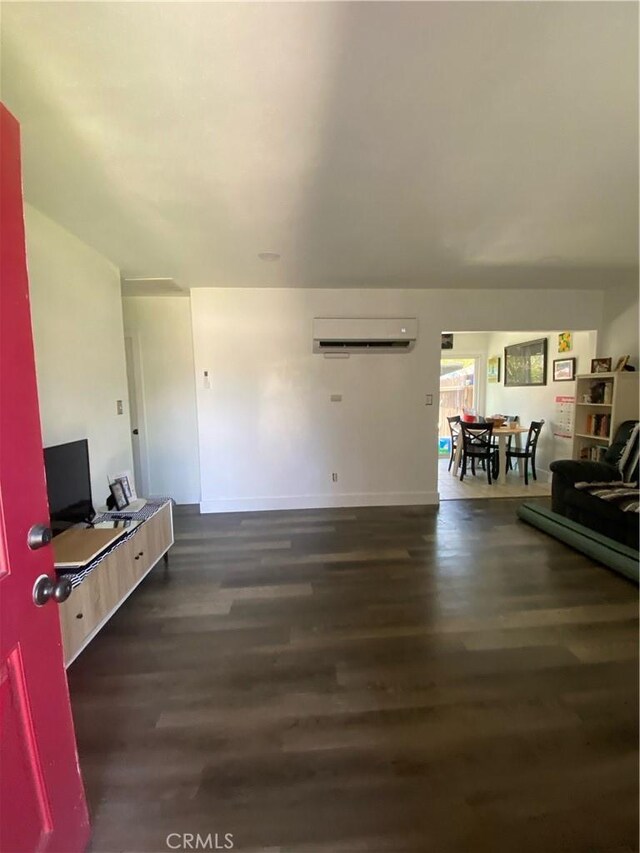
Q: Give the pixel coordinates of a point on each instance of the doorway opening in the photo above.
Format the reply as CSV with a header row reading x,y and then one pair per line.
x,y
513,381
136,411
458,388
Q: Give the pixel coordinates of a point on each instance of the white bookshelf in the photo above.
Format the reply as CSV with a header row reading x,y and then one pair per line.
x,y
595,423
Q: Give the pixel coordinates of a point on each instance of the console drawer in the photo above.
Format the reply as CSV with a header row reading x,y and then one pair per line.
x,y
80,614
153,539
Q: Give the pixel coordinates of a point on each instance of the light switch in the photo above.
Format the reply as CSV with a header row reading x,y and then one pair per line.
x,y
119,407
428,400
206,381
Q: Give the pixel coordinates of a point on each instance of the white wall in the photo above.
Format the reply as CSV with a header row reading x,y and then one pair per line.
x,y
537,403
76,311
269,435
160,328
619,330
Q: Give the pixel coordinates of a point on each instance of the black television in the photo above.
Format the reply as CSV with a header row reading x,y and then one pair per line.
x,y
68,484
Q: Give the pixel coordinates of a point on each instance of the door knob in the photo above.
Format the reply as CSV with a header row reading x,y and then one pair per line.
x,y
46,589
135,431
38,536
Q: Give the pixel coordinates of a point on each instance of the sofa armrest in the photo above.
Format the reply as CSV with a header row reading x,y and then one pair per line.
x,y
568,472
581,471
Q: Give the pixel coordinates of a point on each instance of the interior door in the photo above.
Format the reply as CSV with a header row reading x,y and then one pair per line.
x,y
42,802
136,412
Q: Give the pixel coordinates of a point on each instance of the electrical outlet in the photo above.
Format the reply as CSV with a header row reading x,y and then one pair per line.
x,y
119,407
334,477
336,398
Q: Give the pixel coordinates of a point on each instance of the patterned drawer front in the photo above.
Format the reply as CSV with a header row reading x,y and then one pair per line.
x,y
156,537
141,553
95,598
79,615
116,576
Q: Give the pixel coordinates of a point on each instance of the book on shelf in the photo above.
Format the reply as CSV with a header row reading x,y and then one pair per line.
x,y
598,425
593,454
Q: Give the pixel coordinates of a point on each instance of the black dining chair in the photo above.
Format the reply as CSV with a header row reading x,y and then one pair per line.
x,y
529,451
454,431
477,446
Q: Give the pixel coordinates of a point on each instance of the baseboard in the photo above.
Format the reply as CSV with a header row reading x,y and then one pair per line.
x,y
259,504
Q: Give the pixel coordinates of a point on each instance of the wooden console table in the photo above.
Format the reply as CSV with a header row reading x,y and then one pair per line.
x,y
101,587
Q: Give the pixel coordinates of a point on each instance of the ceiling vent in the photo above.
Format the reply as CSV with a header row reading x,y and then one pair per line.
x,y
364,335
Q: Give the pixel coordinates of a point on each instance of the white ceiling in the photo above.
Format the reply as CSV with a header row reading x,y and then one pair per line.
x,y
370,144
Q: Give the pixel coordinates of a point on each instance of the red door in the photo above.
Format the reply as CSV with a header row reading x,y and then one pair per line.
x,y
42,803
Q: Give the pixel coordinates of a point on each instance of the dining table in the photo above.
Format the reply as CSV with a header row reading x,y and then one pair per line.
x,y
502,434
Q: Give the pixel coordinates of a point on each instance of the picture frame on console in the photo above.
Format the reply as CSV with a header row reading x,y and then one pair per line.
x,y
126,486
118,494
125,478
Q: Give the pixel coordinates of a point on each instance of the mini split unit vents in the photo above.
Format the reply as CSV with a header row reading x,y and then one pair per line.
x,y
364,335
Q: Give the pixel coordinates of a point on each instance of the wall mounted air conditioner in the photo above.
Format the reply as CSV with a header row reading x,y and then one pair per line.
x,y
353,334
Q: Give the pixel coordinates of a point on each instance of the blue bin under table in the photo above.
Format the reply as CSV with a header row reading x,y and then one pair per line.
x,y
444,446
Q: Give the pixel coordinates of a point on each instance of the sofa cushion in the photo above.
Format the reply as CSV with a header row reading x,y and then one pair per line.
x,y
618,445
628,462
568,472
601,516
623,495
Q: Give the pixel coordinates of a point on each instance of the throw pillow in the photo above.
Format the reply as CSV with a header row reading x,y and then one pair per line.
x,y
628,462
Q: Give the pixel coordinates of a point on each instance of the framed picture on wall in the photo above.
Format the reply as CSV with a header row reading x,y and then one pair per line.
x,y
565,343
564,369
493,369
526,363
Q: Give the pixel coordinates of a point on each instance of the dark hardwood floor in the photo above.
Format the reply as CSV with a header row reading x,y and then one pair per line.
x,y
397,679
